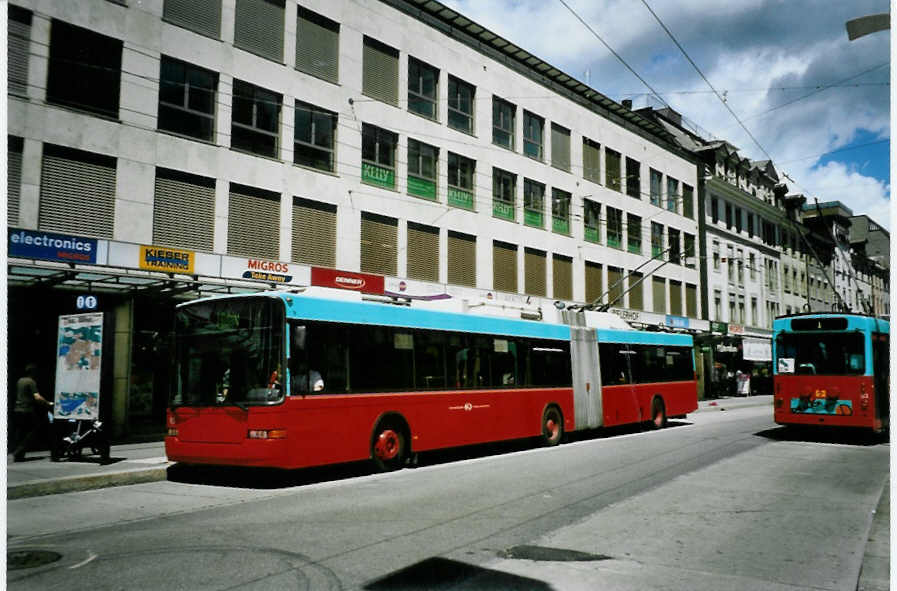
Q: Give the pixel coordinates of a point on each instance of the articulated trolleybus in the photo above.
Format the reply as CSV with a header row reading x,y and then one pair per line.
x,y
831,369
291,380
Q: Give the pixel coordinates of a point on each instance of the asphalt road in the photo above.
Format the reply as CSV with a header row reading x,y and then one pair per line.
x,y
723,500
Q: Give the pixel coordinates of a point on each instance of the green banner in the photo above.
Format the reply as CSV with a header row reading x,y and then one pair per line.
x,y
560,225
591,235
503,210
421,187
460,198
532,218
377,175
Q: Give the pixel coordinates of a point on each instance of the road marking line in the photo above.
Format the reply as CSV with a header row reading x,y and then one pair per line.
x,y
157,460
83,562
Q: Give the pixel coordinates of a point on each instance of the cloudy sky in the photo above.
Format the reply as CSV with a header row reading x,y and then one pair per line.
x,y
816,103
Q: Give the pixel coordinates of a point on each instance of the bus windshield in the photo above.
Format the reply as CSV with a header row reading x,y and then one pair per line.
x,y
229,352
813,353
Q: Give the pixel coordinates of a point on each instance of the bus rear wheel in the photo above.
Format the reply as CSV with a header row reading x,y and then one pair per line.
x,y
658,413
552,426
389,445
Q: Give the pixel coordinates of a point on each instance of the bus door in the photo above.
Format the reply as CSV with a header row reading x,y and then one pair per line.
x,y
880,367
617,392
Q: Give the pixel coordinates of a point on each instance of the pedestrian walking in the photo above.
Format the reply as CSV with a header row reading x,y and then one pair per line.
x,y
29,403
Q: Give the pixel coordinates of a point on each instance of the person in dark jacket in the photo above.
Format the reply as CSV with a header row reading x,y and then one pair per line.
x,y
26,419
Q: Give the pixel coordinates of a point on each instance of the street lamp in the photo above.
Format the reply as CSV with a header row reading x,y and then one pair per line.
x,y
865,25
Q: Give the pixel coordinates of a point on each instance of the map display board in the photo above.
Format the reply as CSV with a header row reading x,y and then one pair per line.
x,y
78,355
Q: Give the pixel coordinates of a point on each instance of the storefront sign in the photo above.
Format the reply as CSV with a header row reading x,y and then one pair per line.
x,y
168,260
676,321
86,302
726,348
757,349
264,270
52,247
736,329
78,357
720,327
363,282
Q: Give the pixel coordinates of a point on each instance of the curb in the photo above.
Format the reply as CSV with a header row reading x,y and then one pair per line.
x,y
732,403
36,488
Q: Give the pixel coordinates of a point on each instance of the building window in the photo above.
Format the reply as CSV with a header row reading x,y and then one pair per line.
x,y
750,225
594,282
314,143
77,192
503,123
560,147
740,257
656,187
591,160
378,156
84,70
673,240
460,105
614,227
258,27
504,190
533,203
422,252
754,319
688,201
187,99
560,211
714,209
562,274
183,210
633,178
634,233
534,271
612,169
675,297
533,133
691,300
656,240
460,181
314,233
201,17
717,305
635,289
716,259
15,146
659,294
317,45
504,266
689,246
462,259
592,221
728,216
423,80
253,223
738,220
422,159
256,119
380,72
379,244
730,263
17,49
672,194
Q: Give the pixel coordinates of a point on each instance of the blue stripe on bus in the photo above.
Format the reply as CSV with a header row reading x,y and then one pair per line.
x,y
637,337
374,313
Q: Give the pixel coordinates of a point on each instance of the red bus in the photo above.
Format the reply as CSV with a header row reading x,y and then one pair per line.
x,y
287,380
831,369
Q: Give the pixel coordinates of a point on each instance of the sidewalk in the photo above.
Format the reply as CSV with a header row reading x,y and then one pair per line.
x,y
146,462
128,464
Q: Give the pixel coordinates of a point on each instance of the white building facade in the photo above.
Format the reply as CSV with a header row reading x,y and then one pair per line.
x,y
218,143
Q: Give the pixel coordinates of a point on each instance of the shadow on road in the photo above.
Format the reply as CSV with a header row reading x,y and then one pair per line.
x,y
861,437
442,573
274,478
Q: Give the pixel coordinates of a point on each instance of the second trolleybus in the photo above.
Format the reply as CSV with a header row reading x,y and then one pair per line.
x,y
831,370
288,380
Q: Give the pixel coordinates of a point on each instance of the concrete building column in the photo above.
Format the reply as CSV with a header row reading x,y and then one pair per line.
x,y
123,321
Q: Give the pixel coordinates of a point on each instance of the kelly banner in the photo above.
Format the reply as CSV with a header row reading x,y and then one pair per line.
x,y
78,354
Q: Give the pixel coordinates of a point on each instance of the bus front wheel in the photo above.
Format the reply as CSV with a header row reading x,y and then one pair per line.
x,y
658,413
552,426
389,445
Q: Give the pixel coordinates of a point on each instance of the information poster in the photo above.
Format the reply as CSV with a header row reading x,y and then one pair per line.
x,y
78,355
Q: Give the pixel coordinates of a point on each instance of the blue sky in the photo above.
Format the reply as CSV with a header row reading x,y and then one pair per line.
x,y
817,103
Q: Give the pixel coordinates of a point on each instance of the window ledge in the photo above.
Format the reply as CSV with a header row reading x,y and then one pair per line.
x,y
313,169
183,136
321,78
256,154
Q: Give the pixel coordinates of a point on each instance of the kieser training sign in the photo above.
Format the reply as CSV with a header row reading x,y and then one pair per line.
x,y
29,244
169,260
78,355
